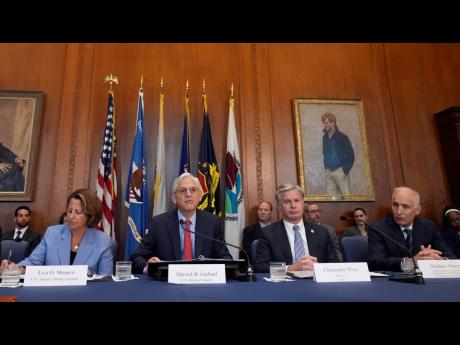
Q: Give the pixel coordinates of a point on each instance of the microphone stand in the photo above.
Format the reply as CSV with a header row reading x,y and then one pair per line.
x,y
416,277
250,275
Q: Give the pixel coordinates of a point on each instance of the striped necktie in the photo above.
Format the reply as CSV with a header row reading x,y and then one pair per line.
x,y
299,249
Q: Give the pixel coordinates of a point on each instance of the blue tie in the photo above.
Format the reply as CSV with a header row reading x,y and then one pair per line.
x,y
408,239
299,250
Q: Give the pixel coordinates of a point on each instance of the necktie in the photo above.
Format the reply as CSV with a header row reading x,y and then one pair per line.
x,y
18,236
408,239
299,250
188,253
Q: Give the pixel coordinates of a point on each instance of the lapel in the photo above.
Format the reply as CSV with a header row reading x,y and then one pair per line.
x,y
310,235
417,236
86,247
198,239
26,235
173,231
281,234
258,231
396,233
64,246
10,235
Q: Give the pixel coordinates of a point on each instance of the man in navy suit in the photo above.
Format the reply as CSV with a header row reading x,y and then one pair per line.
x,y
167,238
254,231
293,240
418,235
22,232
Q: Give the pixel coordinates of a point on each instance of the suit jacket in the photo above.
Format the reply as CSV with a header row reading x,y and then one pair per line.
x,y
343,149
29,236
94,250
163,239
452,238
335,240
352,231
250,234
384,255
274,245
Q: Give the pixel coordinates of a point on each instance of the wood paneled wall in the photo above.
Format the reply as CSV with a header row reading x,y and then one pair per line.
x,y
401,85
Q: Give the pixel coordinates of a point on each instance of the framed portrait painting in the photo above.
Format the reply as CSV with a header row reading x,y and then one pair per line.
x,y
20,118
332,150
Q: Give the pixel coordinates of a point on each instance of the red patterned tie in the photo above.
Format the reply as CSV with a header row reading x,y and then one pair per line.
x,y
188,253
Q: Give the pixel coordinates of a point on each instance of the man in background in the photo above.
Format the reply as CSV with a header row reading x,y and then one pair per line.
x,y
312,213
254,232
22,232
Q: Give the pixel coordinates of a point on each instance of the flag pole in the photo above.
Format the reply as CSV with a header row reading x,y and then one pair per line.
x,y
112,79
205,103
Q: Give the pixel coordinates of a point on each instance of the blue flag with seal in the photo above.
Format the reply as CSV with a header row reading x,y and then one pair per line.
x,y
136,191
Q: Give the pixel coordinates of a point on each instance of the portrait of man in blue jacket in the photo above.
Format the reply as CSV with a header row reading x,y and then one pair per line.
x,y
338,157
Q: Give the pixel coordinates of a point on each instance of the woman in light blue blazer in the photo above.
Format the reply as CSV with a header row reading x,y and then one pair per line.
x,y
77,242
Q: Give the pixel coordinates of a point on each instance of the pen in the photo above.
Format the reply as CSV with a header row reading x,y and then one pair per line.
x,y
9,257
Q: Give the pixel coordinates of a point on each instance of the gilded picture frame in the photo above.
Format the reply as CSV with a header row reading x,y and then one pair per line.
x,y
20,116
332,150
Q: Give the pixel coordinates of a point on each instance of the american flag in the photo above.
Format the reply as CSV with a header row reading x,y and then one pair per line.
x,y
106,187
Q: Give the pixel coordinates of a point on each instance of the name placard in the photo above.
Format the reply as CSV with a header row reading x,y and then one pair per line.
x,y
439,268
341,272
196,274
66,275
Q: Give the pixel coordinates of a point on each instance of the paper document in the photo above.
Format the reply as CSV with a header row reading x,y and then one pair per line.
x,y
300,274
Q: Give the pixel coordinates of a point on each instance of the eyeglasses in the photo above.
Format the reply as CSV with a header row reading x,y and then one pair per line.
x,y
192,190
314,211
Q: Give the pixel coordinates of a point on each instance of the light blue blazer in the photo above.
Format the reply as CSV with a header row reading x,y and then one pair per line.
x,y
54,249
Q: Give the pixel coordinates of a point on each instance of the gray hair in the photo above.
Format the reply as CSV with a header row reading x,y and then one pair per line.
x,y
404,188
284,188
186,175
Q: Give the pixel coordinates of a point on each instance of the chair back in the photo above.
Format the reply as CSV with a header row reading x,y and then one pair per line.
x,y
18,250
355,248
254,249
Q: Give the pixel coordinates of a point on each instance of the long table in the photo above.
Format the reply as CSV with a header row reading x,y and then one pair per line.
x,y
145,289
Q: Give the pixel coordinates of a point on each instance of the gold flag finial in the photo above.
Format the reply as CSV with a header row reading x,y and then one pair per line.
x,y
186,89
161,85
231,91
142,82
204,86
111,79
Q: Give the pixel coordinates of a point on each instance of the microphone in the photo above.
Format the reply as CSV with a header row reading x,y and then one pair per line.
x,y
416,277
250,276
